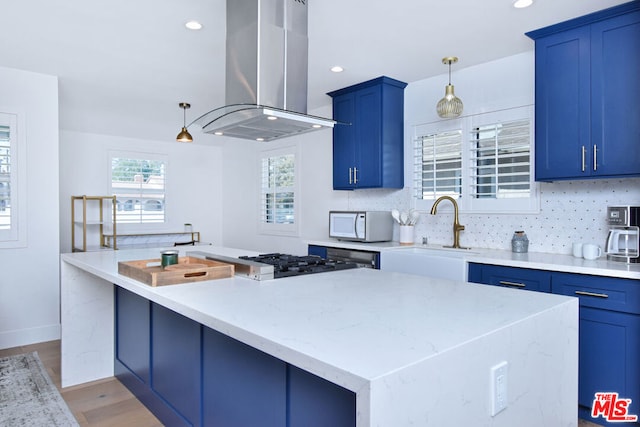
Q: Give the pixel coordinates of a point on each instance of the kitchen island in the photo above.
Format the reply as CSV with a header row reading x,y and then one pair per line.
x,y
413,350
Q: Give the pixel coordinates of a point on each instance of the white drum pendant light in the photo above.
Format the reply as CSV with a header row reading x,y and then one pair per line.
x,y
450,106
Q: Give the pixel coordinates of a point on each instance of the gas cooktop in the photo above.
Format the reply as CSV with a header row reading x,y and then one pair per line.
x,y
294,265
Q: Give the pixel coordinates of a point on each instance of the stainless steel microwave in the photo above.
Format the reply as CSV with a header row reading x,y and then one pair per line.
x,y
361,226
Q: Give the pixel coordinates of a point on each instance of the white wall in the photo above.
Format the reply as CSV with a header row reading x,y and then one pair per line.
x,y
29,276
569,211
193,188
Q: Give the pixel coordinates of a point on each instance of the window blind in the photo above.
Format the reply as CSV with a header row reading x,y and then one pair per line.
x,y
500,160
278,189
139,187
438,165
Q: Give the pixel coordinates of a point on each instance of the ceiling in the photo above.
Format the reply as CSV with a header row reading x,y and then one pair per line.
x,y
124,65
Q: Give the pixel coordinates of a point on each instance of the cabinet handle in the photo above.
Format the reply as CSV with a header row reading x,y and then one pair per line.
x,y
517,285
350,180
355,175
592,294
595,157
584,151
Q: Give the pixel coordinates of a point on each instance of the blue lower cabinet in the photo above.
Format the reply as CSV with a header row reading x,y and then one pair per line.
x,y
315,402
190,375
175,362
242,386
320,251
609,338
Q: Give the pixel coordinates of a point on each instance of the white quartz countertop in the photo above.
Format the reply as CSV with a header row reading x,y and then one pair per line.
x,y
535,260
349,327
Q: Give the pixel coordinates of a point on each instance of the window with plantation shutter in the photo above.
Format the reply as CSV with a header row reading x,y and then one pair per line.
x,y
278,191
438,165
13,220
486,163
500,160
138,182
6,153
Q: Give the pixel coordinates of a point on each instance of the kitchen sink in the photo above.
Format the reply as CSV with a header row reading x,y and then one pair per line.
x,y
438,262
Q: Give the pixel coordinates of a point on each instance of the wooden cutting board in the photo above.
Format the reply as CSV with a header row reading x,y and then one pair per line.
x,y
188,269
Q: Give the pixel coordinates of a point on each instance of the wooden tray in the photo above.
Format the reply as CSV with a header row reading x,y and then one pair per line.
x,y
188,269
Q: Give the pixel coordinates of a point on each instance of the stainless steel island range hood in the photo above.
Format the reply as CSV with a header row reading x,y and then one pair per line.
x,y
266,73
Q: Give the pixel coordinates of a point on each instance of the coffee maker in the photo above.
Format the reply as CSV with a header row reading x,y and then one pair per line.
x,y
623,241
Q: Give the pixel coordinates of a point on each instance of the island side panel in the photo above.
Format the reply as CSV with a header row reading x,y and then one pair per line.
x,y
454,387
87,346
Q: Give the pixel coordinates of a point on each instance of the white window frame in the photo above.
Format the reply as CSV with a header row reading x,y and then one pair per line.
x,y
466,203
16,235
274,228
124,228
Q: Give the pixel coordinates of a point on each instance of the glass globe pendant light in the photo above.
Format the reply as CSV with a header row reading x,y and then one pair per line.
x,y
184,135
450,106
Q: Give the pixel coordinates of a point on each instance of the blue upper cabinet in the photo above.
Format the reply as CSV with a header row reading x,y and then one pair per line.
x,y
587,96
368,143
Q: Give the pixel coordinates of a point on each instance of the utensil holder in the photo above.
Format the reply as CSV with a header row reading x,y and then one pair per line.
x,y
406,234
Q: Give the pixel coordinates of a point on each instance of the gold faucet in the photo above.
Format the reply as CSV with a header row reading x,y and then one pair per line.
x,y
457,227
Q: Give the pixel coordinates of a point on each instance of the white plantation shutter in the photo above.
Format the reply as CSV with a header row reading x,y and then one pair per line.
x,y
438,165
12,183
6,154
278,189
139,186
500,160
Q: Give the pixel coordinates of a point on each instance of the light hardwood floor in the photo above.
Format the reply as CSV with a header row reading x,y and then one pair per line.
x,y
103,403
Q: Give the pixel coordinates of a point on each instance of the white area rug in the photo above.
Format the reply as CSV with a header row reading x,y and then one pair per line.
x,y
28,397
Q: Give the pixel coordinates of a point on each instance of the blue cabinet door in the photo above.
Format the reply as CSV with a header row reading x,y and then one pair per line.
x,y
510,277
175,362
368,150
562,95
315,402
242,386
132,338
344,141
609,356
615,102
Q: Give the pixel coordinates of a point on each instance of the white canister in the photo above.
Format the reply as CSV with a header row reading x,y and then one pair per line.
x,y
406,234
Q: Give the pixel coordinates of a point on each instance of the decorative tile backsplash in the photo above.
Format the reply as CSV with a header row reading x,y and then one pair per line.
x,y
570,211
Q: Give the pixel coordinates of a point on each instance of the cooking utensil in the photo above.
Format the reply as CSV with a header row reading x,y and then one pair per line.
x,y
413,217
404,217
396,215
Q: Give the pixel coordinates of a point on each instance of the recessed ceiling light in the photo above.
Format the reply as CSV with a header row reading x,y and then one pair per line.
x,y
259,139
272,118
337,69
316,126
193,25
218,133
519,4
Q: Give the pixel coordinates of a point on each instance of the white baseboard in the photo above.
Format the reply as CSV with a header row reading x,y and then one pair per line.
x,y
9,339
